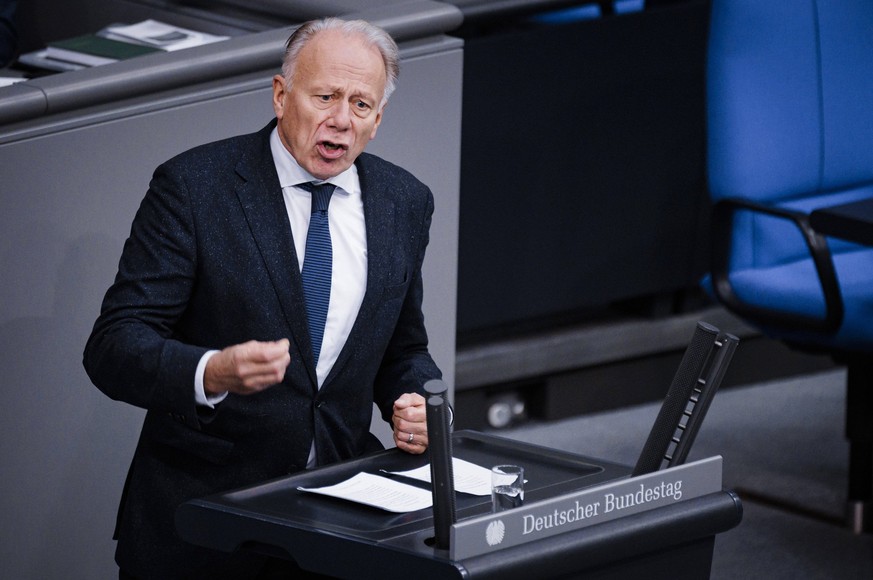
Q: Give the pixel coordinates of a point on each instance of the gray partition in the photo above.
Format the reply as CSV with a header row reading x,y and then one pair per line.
x,y
151,73
71,182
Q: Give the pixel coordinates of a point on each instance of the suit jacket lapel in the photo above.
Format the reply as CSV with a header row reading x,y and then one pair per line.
x,y
379,221
260,196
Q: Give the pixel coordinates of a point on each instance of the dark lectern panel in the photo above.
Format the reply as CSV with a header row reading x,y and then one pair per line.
x,y
346,540
548,473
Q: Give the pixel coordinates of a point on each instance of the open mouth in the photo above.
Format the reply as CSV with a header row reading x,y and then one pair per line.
x,y
332,150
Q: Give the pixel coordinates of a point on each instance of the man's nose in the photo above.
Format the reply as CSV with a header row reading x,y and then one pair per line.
x,y
341,115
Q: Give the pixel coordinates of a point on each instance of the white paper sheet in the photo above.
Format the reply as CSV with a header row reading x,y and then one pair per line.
x,y
161,35
379,492
6,81
469,477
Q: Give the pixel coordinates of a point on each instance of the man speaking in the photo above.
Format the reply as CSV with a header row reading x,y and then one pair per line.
x,y
269,293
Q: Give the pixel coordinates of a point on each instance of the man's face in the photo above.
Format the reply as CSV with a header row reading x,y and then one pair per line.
x,y
332,109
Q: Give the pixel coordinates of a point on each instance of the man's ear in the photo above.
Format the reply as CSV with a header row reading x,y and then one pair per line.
x,y
279,95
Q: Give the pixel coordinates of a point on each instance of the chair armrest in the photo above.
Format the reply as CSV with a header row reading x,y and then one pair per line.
x,y
722,223
851,221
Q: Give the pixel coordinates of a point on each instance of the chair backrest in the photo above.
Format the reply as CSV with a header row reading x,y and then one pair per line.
x,y
789,113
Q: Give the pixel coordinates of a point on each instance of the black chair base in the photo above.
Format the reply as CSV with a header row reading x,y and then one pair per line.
x,y
859,432
858,517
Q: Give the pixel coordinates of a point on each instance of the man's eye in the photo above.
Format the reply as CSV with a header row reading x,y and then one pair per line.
x,y
325,98
362,105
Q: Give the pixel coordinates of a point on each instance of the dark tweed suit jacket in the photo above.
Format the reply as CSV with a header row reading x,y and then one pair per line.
x,y
210,262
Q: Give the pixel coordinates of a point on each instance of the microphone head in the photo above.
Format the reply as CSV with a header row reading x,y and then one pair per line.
x,y
435,387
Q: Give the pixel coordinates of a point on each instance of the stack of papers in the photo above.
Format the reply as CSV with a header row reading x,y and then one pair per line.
x,y
6,81
114,43
394,496
160,35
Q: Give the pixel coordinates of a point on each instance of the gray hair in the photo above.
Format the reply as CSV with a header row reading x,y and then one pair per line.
x,y
371,34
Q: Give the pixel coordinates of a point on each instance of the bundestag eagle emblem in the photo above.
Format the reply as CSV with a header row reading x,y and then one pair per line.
x,y
494,532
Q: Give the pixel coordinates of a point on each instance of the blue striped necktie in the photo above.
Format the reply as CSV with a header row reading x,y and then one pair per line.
x,y
317,264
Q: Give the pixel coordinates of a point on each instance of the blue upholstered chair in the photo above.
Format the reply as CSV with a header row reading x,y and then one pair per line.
x,y
790,130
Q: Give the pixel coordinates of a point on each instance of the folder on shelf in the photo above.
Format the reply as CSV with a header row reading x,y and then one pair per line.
x,y
95,50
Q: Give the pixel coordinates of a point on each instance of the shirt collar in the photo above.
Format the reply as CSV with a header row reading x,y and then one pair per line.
x,y
291,173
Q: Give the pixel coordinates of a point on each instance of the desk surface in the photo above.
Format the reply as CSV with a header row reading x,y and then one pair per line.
x,y
350,540
850,221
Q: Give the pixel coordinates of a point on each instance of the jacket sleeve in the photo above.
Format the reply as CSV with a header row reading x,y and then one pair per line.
x,y
133,353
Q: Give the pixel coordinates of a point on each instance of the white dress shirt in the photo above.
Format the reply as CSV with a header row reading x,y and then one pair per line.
x,y
349,242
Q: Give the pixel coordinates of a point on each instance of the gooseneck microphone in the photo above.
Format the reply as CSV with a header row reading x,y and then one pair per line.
x,y
441,474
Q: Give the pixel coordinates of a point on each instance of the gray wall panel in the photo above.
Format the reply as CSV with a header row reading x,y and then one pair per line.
x,y
69,190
